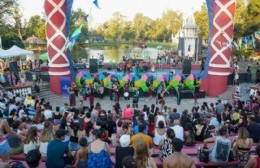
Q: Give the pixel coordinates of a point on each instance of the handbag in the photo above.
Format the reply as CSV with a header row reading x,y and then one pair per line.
x,y
204,154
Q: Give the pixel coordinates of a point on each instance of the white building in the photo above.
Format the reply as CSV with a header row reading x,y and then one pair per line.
x,y
189,43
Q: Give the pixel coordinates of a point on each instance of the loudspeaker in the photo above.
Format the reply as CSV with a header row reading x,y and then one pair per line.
x,y
186,67
15,69
93,65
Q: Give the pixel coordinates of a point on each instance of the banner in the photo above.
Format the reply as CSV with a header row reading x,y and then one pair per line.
x,y
64,85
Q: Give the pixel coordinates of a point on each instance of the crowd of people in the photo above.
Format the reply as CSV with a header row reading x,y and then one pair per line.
x,y
85,136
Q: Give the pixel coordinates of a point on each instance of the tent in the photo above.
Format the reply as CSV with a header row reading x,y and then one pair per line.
x,y
43,56
13,52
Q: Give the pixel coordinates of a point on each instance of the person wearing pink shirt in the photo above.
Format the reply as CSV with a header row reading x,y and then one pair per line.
x,y
127,113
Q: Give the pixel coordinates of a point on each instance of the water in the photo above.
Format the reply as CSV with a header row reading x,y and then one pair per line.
x,y
111,54
115,55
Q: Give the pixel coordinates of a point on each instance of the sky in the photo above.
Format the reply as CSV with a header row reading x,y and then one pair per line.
x,y
128,8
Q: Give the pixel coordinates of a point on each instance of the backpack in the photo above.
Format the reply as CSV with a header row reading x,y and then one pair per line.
x,y
16,164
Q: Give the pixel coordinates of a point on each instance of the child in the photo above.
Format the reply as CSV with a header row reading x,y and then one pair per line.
x,y
82,154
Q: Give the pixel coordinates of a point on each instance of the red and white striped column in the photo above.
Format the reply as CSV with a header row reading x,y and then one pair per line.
x,y
56,39
220,49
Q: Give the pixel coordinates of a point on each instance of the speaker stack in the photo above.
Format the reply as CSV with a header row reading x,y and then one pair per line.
x,y
93,65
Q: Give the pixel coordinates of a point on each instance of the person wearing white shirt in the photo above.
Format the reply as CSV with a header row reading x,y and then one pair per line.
x,y
178,130
48,113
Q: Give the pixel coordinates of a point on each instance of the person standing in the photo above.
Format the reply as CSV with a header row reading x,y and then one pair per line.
x,y
72,97
91,94
196,93
178,93
178,159
136,98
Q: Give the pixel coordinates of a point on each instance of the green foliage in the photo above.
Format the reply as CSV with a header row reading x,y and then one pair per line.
x,y
201,19
243,51
141,28
36,27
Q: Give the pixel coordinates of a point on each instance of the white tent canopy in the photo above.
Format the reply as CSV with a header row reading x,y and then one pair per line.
x,y
13,52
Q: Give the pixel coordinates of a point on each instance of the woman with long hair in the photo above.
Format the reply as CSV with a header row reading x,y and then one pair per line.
x,y
46,136
142,158
31,141
166,145
189,135
242,145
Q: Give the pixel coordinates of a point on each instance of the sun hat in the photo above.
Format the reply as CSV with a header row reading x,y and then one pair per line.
x,y
124,140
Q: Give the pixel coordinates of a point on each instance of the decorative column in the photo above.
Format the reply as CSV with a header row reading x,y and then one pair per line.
x,y
221,23
56,39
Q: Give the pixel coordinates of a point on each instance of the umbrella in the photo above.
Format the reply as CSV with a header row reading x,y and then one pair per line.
x,y
190,77
160,78
144,77
43,56
101,76
156,83
177,77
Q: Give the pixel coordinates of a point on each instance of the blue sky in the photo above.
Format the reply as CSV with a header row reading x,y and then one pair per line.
x,y
128,8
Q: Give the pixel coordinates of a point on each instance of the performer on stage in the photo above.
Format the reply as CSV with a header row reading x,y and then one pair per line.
x,y
178,93
84,91
72,97
136,98
126,91
161,99
150,91
101,90
128,66
114,92
196,93
91,94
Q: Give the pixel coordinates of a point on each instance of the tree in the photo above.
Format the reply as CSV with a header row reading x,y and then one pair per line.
x,y
36,27
239,19
141,26
201,19
6,9
252,17
172,22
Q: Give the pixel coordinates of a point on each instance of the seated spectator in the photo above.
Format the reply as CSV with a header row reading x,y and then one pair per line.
x,y
254,162
222,145
189,135
31,141
74,138
46,137
110,125
128,112
140,121
242,145
125,129
175,115
82,154
185,118
179,131
16,145
150,124
99,152
57,116
166,144
253,129
200,129
142,157
123,150
159,117
178,159
159,133
48,114
57,150
135,139
33,158
210,132
118,128
214,121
